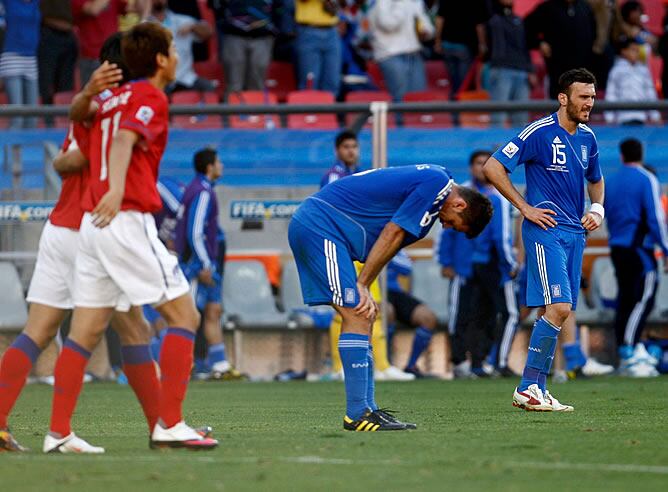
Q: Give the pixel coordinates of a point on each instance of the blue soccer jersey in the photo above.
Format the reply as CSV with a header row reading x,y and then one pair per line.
x,y
556,165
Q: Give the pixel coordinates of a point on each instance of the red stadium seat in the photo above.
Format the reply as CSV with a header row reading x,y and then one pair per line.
x,y
437,76
368,97
281,79
252,121
211,70
64,99
426,119
523,7
470,119
376,75
656,67
195,121
322,121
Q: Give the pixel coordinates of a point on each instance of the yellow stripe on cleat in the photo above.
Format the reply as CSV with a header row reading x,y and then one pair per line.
x,y
375,427
361,425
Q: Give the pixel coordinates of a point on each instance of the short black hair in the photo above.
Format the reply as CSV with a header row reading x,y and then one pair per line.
x,y
628,7
631,150
624,42
478,211
111,52
343,136
204,158
477,153
567,79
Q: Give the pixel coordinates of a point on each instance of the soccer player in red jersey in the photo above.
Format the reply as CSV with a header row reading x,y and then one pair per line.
x,y
120,254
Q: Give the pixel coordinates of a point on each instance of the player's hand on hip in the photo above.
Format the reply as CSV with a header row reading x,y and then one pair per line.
x,y
367,307
106,76
448,272
542,217
107,208
591,221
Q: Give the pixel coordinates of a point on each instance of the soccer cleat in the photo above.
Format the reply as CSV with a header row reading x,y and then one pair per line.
x,y
205,431
418,373
393,374
180,436
595,368
8,443
576,373
69,444
531,400
463,370
640,369
507,372
554,403
388,415
223,371
371,422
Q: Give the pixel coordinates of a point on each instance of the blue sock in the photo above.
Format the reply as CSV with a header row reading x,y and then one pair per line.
x,y
574,356
201,366
371,384
493,355
354,352
217,353
420,344
542,345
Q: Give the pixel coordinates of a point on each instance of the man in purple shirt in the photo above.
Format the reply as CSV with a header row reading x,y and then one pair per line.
x,y
347,157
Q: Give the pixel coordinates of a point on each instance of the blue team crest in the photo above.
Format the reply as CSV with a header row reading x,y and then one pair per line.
x,y
583,151
556,290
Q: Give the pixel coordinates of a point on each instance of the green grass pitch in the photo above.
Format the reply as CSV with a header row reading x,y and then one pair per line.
x,y
288,437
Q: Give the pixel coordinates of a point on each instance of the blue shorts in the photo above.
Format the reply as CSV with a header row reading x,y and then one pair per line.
x,y
207,294
553,263
326,271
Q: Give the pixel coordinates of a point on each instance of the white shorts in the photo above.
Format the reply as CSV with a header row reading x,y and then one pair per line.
x,y
53,278
125,259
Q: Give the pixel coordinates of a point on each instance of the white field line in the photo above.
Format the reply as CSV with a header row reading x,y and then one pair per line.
x,y
318,460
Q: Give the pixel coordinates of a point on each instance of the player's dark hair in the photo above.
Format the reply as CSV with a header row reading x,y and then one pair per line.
x,y
478,153
141,45
567,79
343,136
111,52
203,159
631,150
628,7
478,211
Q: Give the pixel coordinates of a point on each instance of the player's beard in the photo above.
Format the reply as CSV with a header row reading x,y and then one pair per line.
x,y
574,115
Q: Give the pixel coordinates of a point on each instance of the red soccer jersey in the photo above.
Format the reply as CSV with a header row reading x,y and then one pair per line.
x,y
68,210
142,108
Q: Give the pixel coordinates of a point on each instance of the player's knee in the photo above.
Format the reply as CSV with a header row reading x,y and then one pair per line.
x,y
429,320
355,323
558,313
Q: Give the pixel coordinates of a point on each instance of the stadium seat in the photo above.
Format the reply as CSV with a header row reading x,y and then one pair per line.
x,y
368,97
437,76
252,121
656,67
13,310
281,79
321,121
426,119
248,299
195,121
291,295
470,119
430,287
211,70
63,99
603,287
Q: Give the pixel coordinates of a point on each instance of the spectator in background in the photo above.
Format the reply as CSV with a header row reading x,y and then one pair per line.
x,y
663,50
57,50
397,27
460,37
96,20
632,25
509,60
355,47
18,62
603,54
249,28
185,30
347,157
317,46
630,80
564,31
636,223
191,8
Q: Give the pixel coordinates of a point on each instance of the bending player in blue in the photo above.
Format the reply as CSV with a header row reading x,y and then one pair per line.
x,y
369,217
558,152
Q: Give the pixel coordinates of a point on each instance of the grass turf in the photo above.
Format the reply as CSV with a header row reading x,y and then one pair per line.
x,y
288,437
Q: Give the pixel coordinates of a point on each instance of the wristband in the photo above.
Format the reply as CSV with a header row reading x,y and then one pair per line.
x,y
597,208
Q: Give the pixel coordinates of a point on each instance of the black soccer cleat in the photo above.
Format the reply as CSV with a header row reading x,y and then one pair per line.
x,y
371,422
8,443
388,415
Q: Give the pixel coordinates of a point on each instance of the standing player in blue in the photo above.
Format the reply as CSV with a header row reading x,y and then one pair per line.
x,y
369,217
558,152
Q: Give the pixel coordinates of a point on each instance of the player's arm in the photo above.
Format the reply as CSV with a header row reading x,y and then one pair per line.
x,y
386,246
496,173
197,214
656,219
83,106
70,161
119,161
593,219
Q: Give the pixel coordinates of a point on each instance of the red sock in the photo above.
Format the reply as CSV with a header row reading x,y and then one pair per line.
x,y
69,374
143,379
14,369
176,360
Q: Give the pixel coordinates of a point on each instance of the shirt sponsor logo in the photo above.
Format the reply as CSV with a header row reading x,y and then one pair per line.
x,y
556,290
145,115
510,150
